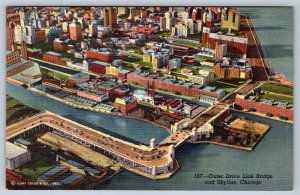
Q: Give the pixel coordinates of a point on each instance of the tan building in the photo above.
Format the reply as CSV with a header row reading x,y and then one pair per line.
x,y
180,30
111,70
65,26
228,72
147,57
221,50
230,19
110,17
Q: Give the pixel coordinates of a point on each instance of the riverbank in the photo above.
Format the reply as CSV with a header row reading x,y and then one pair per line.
x,y
77,106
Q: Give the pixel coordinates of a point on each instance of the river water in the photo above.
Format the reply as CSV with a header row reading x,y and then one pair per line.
x,y
272,156
131,130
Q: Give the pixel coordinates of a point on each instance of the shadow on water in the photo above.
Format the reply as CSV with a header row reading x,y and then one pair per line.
x,y
189,151
104,130
282,50
267,28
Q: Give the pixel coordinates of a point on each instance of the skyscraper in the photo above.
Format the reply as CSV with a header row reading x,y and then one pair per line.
x,y
10,37
75,31
24,50
197,14
110,17
167,22
230,19
23,17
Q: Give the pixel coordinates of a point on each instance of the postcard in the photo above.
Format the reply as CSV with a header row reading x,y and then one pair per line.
x,y
149,98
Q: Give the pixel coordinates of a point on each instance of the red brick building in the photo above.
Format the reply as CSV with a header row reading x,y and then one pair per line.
x,y
54,57
99,66
262,107
125,104
236,45
168,86
40,36
59,46
102,55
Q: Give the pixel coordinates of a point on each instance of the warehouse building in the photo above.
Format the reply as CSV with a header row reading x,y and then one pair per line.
x,y
233,69
125,104
16,156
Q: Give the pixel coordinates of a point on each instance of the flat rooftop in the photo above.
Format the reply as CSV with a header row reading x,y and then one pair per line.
x,y
48,174
53,53
13,151
108,84
71,179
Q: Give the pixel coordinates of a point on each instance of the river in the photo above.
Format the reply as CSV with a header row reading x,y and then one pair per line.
x,y
131,130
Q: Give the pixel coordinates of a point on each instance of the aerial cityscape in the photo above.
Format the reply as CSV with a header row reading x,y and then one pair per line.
x,y
148,98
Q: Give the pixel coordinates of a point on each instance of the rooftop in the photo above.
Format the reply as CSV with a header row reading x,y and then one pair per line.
x,y
100,63
48,174
22,141
53,53
108,84
13,151
84,167
70,179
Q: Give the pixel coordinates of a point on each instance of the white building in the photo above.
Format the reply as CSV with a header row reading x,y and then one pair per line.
x,y
16,156
77,65
30,34
195,27
175,63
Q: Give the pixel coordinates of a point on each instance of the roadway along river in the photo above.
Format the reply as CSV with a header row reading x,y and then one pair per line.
x,y
128,129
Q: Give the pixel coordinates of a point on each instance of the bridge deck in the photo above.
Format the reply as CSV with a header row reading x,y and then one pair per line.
x,y
150,157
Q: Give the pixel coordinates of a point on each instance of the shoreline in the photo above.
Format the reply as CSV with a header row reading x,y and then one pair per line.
x,y
263,56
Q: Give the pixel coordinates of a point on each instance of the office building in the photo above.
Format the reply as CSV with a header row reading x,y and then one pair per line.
x,y
236,45
110,17
75,31
230,19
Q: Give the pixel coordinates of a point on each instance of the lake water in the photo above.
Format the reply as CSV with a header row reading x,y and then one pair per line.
x,y
274,27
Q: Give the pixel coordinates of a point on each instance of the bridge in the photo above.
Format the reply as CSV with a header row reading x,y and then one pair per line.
x,y
151,162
